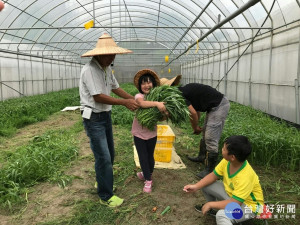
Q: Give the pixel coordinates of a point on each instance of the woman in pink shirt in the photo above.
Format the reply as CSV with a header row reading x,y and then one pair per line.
x,y
145,139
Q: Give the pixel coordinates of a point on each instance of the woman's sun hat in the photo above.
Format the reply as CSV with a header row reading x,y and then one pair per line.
x,y
106,46
172,82
143,72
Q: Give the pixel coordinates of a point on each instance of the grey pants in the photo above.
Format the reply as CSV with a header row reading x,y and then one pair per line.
x,y
214,124
216,192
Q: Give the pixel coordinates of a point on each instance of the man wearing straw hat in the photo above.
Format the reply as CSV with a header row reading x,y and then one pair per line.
x,y
172,82
204,98
95,86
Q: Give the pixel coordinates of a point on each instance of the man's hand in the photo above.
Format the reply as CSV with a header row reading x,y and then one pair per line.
x,y
197,130
205,208
130,104
190,188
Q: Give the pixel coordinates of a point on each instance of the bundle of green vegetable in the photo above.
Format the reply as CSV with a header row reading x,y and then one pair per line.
x,y
174,102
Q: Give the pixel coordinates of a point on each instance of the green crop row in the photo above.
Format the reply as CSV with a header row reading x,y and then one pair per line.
x,y
274,143
19,112
40,160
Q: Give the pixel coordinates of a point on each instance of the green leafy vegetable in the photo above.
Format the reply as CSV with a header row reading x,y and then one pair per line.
x,y
174,102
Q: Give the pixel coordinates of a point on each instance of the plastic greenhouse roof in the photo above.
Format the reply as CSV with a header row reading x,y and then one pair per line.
x,y
185,30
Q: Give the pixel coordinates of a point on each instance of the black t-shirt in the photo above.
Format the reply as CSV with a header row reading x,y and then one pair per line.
x,y
202,97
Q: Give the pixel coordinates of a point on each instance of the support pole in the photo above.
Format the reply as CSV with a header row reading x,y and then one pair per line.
x,y
43,68
67,80
225,75
51,63
219,78
23,86
250,76
1,86
19,76
297,101
237,73
202,76
297,86
94,12
31,70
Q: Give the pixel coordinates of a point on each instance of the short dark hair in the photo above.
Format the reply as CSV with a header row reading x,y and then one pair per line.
x,y
239,146
146,78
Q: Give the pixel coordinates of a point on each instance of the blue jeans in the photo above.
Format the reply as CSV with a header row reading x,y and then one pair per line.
x,y
99,130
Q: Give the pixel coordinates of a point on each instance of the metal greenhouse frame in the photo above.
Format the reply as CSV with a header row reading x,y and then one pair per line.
x,y
249,50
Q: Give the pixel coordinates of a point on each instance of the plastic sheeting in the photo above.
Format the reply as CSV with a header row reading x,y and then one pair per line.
x,y
41,43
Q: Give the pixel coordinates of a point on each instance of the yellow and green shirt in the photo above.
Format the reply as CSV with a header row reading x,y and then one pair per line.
x,y
243,185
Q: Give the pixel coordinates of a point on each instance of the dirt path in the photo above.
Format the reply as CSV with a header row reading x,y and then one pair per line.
x,y
48,201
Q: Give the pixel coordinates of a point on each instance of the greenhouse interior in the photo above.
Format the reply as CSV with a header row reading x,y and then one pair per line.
x,y
248,50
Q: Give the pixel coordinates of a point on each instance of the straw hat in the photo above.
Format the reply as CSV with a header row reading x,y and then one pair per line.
x,y
141,73
106,46
172,82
